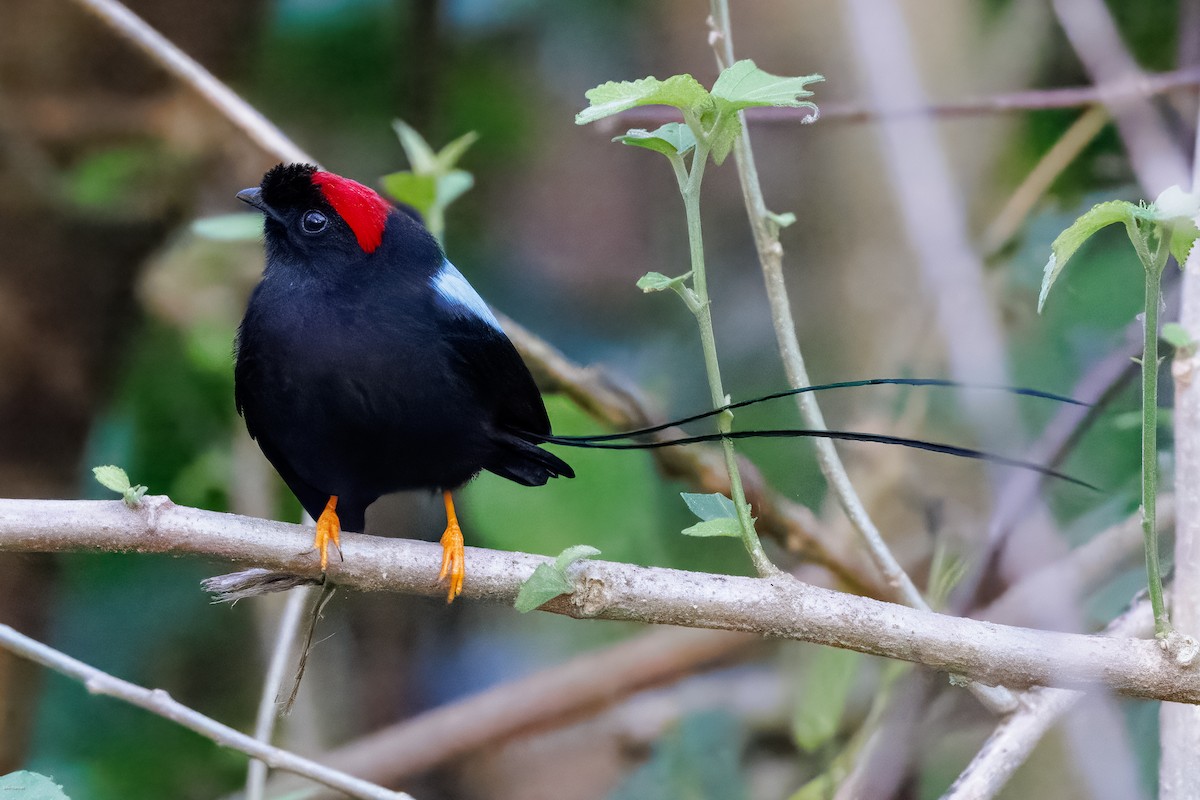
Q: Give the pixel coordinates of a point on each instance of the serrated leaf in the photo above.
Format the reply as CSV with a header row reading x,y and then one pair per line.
x,y
545,584
447,158
674,138
1177,336
827,682
418,191
26,785
421,157
453,185
743,85
1064,246
230,227
1183,238
572,554
715,527
112,477
657,282
680,91
710,506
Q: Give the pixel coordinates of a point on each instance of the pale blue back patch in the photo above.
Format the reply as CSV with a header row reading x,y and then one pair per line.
x,y
461,296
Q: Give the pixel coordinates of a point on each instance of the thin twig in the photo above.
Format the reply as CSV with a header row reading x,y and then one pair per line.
x,y
159,702
1155,155
1143,86
1013,740
187,69
770,256
1025,197
264,721
587,683
779,607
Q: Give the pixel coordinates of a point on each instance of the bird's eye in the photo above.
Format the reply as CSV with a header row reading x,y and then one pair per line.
x,y
314,222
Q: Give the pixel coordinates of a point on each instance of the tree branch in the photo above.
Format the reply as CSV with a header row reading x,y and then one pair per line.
x,y
779,607
159,702
1014,738
584,685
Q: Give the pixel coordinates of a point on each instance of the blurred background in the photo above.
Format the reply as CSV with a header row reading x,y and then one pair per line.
x,y
116,322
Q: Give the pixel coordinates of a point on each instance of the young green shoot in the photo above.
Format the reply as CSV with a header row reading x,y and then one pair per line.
x,y
434,182
115,479
1165,228
711,126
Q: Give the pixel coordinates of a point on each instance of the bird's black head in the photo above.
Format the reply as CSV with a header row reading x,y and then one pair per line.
x,y
314,216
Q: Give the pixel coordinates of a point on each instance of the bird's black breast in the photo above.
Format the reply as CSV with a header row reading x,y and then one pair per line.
x,y
355,391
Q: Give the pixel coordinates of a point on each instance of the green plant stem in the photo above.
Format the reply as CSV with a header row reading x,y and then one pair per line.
x,y
770,256
1162,622
689,187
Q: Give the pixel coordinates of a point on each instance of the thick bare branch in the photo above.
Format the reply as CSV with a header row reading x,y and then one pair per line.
x,y
779,607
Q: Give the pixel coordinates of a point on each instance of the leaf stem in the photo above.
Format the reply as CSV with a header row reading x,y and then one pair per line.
x,y
1154,268
689,188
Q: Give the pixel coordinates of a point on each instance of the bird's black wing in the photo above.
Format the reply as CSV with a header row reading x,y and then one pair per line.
x,y
484,357
490,365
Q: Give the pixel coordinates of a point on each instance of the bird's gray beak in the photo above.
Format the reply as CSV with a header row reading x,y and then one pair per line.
x,y
253,196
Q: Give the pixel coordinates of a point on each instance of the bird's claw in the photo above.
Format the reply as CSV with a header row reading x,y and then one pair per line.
x,y
453,562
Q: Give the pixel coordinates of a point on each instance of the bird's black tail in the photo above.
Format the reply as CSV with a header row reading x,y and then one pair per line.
x,y
617,441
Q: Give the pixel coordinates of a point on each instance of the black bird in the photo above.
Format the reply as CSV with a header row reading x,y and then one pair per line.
x,y
366,364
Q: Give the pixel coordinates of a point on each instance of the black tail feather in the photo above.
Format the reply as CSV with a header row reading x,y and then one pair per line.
x,y
940,382
847,436
528,464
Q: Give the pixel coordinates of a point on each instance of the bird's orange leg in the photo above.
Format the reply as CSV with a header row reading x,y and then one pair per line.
x,y
453,565
329,529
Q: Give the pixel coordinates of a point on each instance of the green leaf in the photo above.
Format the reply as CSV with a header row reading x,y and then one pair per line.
x,y
548,581
657,282
453,185
112,477
1082,229
710,506
782,220
25,785
743,85
1177,336
420,155
827,682
681,91
545,584
418,191
674,138
448,157
230,227
724,129
572,554
715,527
1183,237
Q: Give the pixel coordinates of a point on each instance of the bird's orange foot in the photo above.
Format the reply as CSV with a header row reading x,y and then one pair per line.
x,y
453,561
329,530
